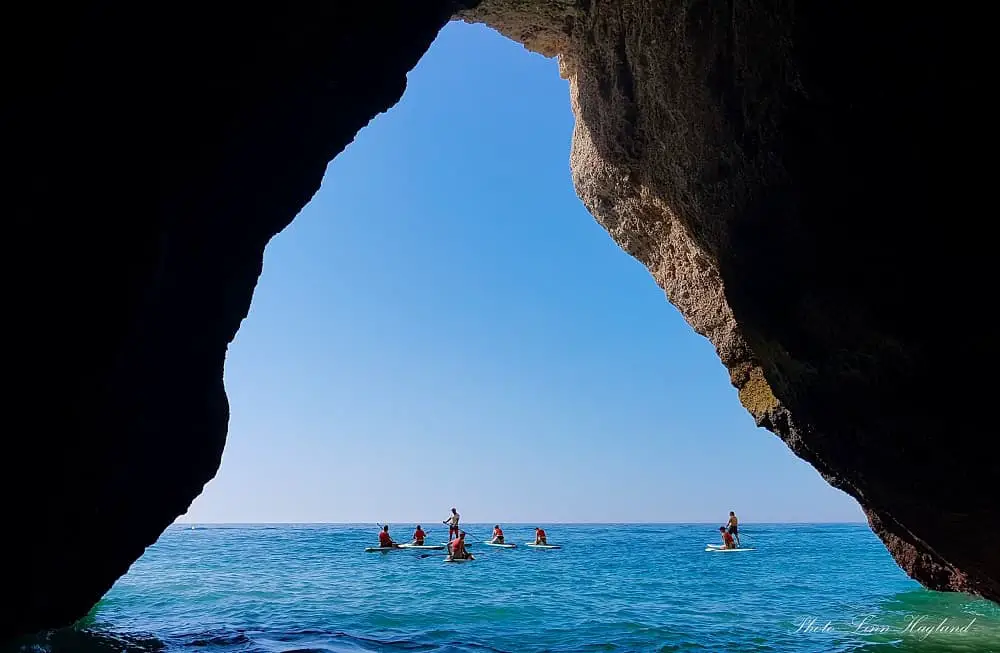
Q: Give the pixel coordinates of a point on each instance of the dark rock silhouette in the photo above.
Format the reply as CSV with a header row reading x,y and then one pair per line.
x,y
795,175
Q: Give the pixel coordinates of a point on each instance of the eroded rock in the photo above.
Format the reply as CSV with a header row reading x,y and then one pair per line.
x,y
794,175
780,170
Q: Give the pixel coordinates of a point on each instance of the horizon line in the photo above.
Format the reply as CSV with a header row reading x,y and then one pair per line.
x,y
568,523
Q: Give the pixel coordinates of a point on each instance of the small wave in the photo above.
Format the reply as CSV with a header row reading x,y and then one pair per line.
x,y
67,640
284,590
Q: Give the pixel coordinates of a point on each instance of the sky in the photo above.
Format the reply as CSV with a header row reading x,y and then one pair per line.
x,y
444,325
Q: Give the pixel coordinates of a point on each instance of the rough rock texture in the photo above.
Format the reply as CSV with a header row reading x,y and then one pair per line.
x,y
783,170
793,174
150,152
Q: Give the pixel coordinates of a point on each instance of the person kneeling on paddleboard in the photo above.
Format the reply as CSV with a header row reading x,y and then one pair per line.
x,y
418,536
540,536
727,539
452,522
497,535
457,548
384,540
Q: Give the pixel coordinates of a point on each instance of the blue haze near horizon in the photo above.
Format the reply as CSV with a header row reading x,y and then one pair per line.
x,y
444,324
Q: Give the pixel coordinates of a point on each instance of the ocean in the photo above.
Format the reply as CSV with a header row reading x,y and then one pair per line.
x,y
284,588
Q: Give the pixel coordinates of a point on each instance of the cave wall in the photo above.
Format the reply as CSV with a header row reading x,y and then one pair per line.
x,y
787,171
793,175
150,151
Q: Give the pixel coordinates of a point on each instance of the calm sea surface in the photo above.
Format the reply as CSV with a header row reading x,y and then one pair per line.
x,y
810,588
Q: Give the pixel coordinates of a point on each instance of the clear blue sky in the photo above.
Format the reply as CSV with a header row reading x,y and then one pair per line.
x,y
445,324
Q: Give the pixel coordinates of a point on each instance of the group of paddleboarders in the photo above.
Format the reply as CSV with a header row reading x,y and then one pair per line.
x,y
497,538
456,537
731,532
385,540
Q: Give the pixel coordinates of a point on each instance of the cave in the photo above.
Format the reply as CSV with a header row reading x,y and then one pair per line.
x,y
791,174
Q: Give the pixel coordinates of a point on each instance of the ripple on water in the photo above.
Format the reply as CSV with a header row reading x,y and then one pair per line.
x,y
312,588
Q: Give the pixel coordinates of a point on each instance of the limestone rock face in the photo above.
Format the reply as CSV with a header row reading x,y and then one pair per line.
x,y
795,175
783,170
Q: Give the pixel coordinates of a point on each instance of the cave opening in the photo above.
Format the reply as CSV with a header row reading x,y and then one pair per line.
x,y
142,262
445,283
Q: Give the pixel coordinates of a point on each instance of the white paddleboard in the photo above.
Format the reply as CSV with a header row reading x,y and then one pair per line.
x,y
719,550
542,546
502,546
428,547
714,546
375,549
449,559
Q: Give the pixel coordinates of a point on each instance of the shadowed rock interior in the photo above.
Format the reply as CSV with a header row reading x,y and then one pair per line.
x,y
794,176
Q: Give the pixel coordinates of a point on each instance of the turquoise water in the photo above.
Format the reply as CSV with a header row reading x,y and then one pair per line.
x,y
221,589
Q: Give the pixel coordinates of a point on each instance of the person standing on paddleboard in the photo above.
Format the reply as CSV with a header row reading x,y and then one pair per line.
x,y
733,526
452,522
384,540
418,536
727,539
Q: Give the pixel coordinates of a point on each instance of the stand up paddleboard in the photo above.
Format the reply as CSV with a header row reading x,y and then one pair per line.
x,y
375,549
502,546
721,550
542,546
427,547
449,559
